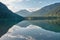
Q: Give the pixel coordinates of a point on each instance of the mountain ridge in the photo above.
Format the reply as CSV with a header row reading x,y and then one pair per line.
x,y
46,11
23,13
7,19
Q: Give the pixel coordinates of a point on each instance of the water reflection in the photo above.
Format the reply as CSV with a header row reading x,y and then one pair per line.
x,y
34,30
48,24
30,32
47,29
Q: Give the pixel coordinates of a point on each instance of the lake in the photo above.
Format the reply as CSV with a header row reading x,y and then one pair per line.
x,y
48,29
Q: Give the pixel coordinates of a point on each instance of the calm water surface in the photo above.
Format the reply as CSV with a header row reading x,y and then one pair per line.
x,y
36,30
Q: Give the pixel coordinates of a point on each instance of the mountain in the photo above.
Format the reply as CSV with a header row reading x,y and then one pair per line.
x,y
7,19
23,13
50,10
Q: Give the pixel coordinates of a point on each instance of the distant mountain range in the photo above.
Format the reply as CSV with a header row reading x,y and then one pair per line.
x,y
24,13
50,10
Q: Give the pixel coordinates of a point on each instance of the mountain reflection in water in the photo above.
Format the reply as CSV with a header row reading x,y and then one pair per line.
x,y
30,32
34,30
51,25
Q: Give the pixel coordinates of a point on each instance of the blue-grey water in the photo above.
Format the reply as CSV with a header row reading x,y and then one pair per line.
x,y
52,25
34,30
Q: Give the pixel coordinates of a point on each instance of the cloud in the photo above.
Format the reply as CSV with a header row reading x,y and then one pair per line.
x,y
32,9
10,4
28,0
9,1
13,8
40,2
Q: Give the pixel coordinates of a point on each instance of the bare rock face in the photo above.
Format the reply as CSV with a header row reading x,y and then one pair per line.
x,y
7,19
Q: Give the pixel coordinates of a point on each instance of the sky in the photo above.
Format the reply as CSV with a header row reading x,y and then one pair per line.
x,y
30,5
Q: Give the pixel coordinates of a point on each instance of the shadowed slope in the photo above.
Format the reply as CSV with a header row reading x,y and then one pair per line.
x,y
7,19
